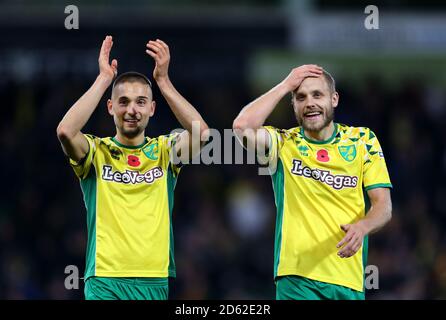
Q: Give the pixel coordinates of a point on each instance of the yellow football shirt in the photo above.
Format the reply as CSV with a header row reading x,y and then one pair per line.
x,y
128,194
317,187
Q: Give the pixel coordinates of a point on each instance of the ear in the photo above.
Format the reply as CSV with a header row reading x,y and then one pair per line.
x,y
335,99
293,104
152,108
110,107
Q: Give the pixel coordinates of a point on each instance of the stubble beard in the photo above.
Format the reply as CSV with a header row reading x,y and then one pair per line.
x,y
328,117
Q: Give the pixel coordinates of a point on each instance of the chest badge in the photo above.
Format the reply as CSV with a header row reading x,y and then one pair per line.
x,y
151,151
322,155
348,152
133,161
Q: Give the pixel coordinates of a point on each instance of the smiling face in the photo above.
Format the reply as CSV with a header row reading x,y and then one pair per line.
x,y
131,107
314,103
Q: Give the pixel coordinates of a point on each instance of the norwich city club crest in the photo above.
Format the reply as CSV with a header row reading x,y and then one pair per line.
x,y
151,151
348,152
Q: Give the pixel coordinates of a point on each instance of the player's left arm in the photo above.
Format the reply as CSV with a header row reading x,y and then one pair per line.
x,y
379,214
185,113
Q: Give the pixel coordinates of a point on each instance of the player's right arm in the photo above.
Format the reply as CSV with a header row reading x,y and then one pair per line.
x,y
74,143
250,120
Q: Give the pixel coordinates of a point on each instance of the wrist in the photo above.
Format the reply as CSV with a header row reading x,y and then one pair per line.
x,y
162,82
365,226
104,81
283,88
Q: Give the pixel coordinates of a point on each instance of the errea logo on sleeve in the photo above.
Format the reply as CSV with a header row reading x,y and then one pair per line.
x,y
131,176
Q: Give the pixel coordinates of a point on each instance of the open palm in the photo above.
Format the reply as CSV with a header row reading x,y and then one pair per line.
x,y
105,68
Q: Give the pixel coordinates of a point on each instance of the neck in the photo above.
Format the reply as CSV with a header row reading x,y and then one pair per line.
x,y
136,141
321,135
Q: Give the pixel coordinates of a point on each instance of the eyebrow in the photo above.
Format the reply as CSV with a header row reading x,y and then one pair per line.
x,y
311,92
138,97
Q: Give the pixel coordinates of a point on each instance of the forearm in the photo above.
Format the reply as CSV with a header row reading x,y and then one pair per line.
x,y
378,215
253,116
185,113
78,115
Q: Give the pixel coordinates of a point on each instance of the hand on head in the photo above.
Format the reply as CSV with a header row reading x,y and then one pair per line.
x,y
297,75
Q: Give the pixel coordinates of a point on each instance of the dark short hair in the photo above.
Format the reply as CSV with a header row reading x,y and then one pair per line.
x,y
131,76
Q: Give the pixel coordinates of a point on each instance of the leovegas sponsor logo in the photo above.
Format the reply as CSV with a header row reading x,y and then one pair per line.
x,y
325,176
131,176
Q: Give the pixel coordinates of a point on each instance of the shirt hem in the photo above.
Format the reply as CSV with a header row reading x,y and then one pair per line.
x,y
322,279
136,274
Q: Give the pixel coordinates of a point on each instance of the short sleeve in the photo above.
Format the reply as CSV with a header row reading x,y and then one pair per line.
x,y
271,156
275,144
82,167
169,142
375,169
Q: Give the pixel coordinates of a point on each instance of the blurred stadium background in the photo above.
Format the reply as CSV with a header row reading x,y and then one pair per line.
x,y
224,54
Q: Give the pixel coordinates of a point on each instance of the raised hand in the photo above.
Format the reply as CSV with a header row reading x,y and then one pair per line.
x,y
297,75
159,51
107,70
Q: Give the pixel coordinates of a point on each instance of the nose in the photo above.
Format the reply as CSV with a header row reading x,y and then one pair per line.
x,y
131,108
310,102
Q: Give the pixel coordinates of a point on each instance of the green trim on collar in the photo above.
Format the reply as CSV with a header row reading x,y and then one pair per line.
x,y
129,147
320,142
